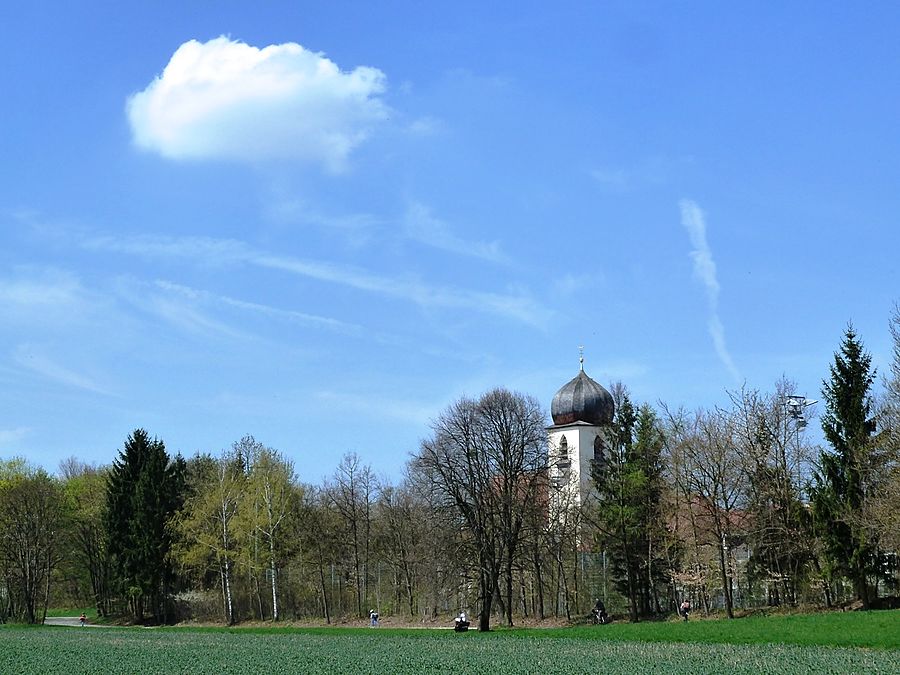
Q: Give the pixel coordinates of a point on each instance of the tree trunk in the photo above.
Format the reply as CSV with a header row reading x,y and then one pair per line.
x,y
726,582
509,588
629,570
407,578
272,571
258,592
557,586
228,599
498,599
487,598
632,591
523,593
366,558
653,598
358,580
861,585
325,604
539,583
47,586
575,586
224,596
561,570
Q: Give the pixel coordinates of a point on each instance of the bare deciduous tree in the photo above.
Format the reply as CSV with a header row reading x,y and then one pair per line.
x,y
488,458
400,532
776,463
883,508
85,489
266,505
353,492
32,512
207,522
712,482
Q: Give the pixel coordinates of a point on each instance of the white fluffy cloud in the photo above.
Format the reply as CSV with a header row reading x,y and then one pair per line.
x,y
224,99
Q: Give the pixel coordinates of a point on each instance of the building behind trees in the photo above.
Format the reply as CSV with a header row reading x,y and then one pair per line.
x,y
496,514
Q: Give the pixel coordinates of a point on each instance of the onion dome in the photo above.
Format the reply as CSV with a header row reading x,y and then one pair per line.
x,y
582,400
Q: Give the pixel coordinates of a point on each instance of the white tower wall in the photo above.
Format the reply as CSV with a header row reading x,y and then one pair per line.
x,y
570,472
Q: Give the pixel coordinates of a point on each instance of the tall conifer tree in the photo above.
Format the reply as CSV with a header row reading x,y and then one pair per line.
x,y
628,519
144,491
839,490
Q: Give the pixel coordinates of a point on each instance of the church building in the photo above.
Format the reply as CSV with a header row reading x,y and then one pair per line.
x,y
582,412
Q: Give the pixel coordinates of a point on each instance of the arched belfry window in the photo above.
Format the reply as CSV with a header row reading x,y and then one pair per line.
x,y
563,447
598,449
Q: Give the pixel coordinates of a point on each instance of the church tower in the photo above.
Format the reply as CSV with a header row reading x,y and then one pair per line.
x,y
582,412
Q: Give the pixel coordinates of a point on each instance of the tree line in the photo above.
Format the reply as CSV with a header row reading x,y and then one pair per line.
x,y
730,507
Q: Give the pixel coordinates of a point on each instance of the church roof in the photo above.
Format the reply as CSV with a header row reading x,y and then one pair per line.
x,y
582,400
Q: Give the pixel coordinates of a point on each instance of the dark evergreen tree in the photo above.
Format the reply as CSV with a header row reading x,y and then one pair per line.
x,y
629,521
839,490
145,489
652,547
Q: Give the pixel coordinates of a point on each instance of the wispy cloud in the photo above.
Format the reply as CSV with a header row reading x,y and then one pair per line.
x,y
184,315
717,331
30,357
704,266
297,211
205,250
694,221
410,412
178,310
651,170
569,284
225,99
12,436
624,370
425,126
417,224
519,307
266,310
48,300
202,250
357,229
422,226
614,179
39,290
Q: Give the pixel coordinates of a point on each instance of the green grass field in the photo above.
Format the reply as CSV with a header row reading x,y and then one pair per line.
x,y
879,630
698,647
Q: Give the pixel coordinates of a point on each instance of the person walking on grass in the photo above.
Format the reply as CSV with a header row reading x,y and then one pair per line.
x,y
685,609
373,617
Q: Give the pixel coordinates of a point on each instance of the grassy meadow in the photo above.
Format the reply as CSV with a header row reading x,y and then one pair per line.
x,y
839,643
879,630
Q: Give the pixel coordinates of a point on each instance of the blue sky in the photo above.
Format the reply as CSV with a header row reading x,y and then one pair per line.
x,y
321,223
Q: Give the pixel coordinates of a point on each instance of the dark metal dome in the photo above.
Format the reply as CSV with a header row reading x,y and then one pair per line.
x,y
582,400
